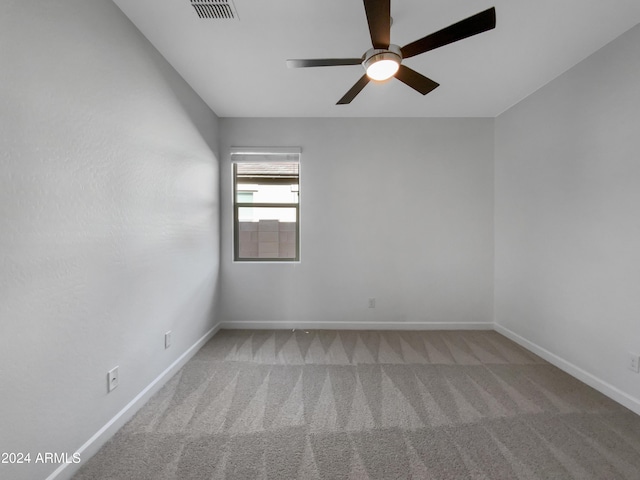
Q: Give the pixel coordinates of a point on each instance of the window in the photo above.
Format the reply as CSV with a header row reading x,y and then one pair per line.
x,y
266,205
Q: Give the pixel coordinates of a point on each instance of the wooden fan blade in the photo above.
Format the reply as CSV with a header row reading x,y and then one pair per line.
x,y
478,23
355,90
416,80
379,19
323,62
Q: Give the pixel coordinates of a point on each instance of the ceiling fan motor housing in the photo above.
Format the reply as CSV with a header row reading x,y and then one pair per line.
x,y
374,55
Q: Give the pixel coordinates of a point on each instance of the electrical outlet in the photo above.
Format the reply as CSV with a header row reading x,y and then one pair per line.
x,y
167,339
112,379
372,303
634,362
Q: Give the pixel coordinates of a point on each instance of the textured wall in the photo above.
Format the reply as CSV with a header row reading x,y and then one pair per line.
x,y
568,216
396,209
108,221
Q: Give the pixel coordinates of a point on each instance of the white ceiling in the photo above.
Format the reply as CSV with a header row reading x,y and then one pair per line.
x,y
238,66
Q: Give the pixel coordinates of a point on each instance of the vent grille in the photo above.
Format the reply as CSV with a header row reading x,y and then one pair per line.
x,y
215,9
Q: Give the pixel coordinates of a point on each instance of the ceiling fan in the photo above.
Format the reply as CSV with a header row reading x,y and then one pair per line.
x,y
384,60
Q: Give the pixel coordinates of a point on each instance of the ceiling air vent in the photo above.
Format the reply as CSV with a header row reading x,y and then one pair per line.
x,y
221,9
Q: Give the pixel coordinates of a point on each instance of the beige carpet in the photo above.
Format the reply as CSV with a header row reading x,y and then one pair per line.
x,y
372,405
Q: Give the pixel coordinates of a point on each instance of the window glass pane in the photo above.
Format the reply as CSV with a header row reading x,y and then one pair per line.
x,y
245,197
266,209
268,193
272,233
247,213
272,182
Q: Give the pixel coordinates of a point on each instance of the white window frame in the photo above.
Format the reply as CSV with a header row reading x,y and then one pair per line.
x,y
263,155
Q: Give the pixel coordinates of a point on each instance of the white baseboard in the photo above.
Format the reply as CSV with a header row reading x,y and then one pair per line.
x,y
91,446
279,325
606,388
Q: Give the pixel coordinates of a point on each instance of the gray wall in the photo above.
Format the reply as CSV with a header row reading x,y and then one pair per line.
x,y
396,209
567,234
109,226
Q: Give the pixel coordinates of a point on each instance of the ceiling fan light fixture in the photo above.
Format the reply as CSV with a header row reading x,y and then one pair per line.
x,y
382,69
381,65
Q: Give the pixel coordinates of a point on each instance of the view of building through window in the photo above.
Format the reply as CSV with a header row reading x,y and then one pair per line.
x,y
266,211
